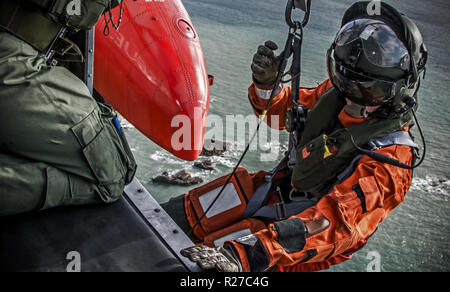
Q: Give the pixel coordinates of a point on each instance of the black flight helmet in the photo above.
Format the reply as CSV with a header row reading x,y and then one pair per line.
x,y
376,60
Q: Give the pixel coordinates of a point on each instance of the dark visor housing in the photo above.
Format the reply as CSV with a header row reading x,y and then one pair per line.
x,y
367,62
380,44
359,88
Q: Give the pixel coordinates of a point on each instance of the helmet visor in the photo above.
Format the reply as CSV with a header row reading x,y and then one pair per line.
x,y
380,44
359,88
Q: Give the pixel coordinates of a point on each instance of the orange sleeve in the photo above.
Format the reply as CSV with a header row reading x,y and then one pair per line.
x,y
259,97
354,209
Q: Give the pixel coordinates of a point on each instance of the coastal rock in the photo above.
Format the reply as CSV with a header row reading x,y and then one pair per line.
x,y
206,164
181,178
215,148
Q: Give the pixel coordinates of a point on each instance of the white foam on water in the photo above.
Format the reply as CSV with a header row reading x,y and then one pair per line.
x,y
163,156
432,184
225,161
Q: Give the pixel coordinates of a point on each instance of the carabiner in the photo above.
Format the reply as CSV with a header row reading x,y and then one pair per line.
x,y
304,5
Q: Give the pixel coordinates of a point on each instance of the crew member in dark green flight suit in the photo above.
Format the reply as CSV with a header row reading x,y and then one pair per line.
x,y
58,146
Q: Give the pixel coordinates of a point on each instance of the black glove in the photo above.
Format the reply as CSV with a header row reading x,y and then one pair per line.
x,y
218,258
265,64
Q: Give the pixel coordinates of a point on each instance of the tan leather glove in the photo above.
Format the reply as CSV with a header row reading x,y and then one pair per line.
x,y
219,258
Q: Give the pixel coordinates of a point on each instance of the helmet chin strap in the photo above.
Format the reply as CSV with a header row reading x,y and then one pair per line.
x,y
356,110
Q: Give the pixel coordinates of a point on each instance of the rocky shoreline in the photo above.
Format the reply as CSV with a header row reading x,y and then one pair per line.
x,y
211,148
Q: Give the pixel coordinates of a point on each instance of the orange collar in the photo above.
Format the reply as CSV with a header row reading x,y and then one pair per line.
x,y
347,120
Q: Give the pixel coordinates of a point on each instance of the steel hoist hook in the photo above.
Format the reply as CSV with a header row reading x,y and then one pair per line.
x,y
304,5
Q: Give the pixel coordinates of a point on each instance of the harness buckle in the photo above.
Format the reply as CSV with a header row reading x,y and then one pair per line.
x,y
65,49
280,211
373,146
51,48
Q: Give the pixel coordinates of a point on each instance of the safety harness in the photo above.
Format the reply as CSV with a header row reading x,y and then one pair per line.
x,y
326,147
44,24
40,31
257,208
326,157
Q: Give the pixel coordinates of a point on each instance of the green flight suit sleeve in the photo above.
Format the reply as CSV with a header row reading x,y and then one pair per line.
x,y
58,145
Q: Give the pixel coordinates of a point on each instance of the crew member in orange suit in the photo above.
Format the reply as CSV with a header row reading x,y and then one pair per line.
x,y
338,191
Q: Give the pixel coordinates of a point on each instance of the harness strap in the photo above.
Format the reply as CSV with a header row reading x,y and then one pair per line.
x,y
29,21
282,211
348,170
292,151
39,31
397,138
67,51
259,198
261,195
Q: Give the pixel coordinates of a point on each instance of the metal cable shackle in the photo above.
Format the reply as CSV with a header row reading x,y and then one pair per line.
x,y
304,5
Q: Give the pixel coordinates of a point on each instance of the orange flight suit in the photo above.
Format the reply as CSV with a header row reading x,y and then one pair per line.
x,y
384,187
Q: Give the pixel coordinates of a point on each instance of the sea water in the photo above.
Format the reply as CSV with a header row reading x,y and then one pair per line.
x,y
415,237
